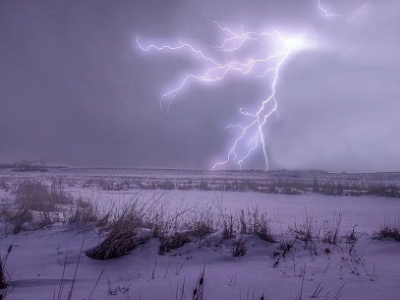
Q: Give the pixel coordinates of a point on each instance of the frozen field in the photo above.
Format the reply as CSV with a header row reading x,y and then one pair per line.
x,y
81,175
357,266
280,182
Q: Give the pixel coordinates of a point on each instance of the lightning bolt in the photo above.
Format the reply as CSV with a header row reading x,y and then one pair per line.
x,y
326,13
350,18
250,135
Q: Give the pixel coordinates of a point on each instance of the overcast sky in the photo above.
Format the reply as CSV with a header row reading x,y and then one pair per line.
x,y
75,89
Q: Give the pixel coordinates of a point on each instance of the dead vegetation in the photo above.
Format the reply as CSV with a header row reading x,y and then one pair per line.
x,y
276,182
121,238
239,247
84,212
36,196
308,231
37,205
291,184
250,222
177,227
331,229
390,230
4,185
5,278
310,236
173,241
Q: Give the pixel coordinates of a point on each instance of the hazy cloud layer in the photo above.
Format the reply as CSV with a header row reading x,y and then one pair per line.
x,y
75,89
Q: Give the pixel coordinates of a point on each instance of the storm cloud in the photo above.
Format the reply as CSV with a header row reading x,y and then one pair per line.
x,y
75,89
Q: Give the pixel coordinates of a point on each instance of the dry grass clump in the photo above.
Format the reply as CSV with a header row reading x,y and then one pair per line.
x,y
174,241
286,245
201,228
331,230
124,229
176,227
37,206
202,224
311,234
390,231
16,217
3,281
292,184
84,212
245,223
258,225
4,184
392,191
239,247
5,278
306,231
122,236
36,196
111,185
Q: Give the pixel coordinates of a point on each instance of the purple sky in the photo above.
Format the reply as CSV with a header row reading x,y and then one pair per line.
x,y
75,89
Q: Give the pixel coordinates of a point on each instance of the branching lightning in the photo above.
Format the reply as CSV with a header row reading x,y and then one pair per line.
x,y
250,134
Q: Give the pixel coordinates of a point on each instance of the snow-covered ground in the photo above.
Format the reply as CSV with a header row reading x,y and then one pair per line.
x,y
136,178
36,261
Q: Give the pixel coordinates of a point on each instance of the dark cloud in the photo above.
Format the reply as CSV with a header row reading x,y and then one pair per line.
x,y
75,89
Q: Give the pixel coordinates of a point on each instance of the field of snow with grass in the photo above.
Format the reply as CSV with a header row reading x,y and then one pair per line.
x,y
104,234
